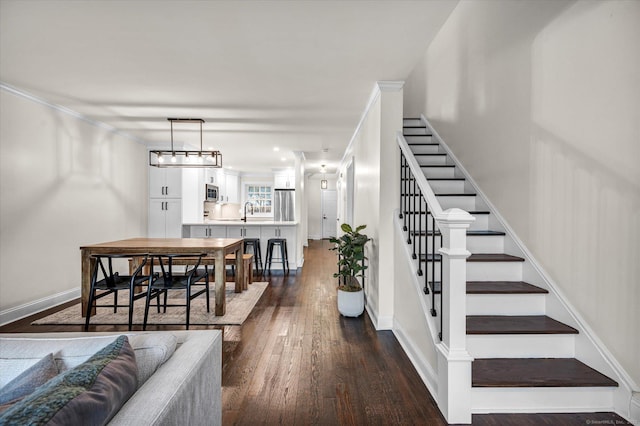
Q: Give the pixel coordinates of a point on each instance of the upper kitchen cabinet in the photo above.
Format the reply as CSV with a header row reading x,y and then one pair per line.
x,y
231,192
165,183
284,180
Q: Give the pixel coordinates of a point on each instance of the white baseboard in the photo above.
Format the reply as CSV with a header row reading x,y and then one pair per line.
x,y
634,409
22,311
315,237
422,366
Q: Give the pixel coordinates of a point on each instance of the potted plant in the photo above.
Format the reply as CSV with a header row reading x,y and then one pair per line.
x,y
350,248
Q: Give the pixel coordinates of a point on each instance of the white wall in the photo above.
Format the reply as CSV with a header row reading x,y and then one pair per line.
x,y
374,152
539,100
64,182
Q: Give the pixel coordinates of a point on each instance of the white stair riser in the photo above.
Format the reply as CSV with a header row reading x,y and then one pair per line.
x,y
475,244
415,131
425,149
481,223
521,345
531,400
460,202
506,304
447,186
494,271
439,172
419,138
425,160
412,122
485,243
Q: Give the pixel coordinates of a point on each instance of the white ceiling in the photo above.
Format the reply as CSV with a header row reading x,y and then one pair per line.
x,y
295,75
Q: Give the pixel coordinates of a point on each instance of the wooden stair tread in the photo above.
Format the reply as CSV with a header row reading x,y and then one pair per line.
x,y
456,194
438,165
516,324
442,179
502,287
422,143
494,287
535,372
430,257
470,232
493,257
432,154
555,419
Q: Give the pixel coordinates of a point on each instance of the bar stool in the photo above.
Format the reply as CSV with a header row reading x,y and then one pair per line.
x,y
257,254
271,243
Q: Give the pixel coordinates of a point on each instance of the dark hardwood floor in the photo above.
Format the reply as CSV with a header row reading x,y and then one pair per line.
x,y
295,360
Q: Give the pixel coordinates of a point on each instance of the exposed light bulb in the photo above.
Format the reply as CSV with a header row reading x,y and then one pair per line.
x,y
160,158
186,157
173,158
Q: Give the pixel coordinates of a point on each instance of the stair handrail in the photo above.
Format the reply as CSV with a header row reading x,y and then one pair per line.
x,y
454,362
420,178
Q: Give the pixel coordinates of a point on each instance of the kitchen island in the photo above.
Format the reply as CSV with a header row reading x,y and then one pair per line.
x,y
262,229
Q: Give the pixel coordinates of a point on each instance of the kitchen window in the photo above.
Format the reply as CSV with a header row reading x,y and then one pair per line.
x,y
260,196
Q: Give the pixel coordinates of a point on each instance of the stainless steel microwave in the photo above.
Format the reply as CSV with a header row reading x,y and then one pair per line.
x,y
211,193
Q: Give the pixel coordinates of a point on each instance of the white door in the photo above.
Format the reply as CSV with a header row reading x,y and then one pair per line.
x,y
173,219
329,213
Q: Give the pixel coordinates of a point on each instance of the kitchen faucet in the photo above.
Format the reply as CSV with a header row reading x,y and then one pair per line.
x,y
244,219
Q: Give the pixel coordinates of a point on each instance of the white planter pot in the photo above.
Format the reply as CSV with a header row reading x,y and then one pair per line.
x,y
351,303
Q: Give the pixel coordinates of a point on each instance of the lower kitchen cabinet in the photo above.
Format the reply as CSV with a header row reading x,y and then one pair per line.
x,y
254,230
165,218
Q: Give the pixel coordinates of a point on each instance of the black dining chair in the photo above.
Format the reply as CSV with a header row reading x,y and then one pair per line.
x,y
112,282
168,279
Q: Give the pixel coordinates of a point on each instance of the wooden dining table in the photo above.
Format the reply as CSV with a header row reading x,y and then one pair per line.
x,y
217,248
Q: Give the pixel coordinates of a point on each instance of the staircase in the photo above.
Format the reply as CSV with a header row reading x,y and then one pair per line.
x,y
524,360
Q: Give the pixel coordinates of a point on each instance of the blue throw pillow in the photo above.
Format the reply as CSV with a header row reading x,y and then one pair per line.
x,y
89,394
27,382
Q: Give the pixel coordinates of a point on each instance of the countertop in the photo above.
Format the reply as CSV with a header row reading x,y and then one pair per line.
x,y
240,222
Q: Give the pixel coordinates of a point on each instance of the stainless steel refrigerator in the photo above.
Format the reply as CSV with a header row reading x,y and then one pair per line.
x,y
284,205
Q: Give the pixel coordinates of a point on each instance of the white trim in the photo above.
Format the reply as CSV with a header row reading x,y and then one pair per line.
x,y
390,85
375,94
582,325
425,370
72,113
30,308
634,409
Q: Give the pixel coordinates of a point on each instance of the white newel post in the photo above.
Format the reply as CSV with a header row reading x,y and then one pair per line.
x,y
454,362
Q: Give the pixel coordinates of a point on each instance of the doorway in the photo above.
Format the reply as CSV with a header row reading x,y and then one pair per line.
x,y
329,206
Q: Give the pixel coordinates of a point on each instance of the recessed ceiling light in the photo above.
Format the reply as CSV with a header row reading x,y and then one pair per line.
x,y
283,159
276,149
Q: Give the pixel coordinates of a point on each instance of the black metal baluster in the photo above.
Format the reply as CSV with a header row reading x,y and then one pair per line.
x,y
426,243
420,233
433,268
409,210
441,288
415,215
401,181
405,208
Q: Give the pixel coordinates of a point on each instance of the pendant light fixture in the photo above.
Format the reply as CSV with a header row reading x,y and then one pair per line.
x,y
182,158
323,182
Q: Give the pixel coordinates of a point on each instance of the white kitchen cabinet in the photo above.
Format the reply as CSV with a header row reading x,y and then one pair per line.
x,y
208,231
286,232
165,182
240,231
232,188
165,218
284,180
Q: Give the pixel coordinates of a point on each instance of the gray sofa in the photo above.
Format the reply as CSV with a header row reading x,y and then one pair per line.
x,y
179,372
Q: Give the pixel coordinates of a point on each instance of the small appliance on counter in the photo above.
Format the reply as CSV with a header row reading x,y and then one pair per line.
x,y
284,205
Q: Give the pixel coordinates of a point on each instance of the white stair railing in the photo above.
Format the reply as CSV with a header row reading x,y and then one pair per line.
x,y
423,217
